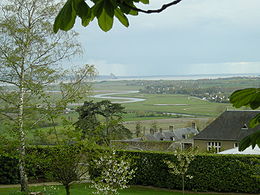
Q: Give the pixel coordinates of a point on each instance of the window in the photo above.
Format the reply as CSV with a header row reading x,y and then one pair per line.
x,y
235,145
244,127
215,146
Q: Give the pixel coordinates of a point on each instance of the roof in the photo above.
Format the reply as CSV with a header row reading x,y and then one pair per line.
x,y
249,150
184,131
229,126
174,135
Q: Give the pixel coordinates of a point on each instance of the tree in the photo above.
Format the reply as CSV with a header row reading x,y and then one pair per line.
x,y
154,126
248,97
181,167
63,163
138,129
102,121
114,173
29,55
103,10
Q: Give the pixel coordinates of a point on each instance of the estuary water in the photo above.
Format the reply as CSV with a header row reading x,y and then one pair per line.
x,y
121,100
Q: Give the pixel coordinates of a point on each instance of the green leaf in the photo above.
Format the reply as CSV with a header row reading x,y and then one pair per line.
x,y
106,18
246,97
252,139
127,10
121,17
83,11
65,20
98,8
254,121
145,1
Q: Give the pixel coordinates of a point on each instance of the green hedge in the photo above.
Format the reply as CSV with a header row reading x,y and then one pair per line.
x,y
9,171
35,165
211,172
9,168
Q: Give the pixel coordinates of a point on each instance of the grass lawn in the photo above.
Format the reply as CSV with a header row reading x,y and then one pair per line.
x,y
83,189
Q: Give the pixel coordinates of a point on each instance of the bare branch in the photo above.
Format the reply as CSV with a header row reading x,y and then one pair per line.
x,y
165,6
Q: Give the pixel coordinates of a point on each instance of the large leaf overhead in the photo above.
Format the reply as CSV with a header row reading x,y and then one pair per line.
x,y
121,17
251,140
66,17
248,97
103,10
84,12
106,17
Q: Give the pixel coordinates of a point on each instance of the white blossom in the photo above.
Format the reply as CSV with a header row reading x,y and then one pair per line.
x,y
115,174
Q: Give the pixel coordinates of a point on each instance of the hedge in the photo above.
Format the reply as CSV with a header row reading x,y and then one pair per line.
x,y
211,172
9,170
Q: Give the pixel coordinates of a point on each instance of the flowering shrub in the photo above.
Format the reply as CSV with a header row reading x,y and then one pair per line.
x,y
114,173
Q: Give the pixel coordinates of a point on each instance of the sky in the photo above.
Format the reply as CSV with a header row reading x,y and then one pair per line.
x,y
193,37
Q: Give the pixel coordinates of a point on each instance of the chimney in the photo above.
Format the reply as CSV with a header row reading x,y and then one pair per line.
x,y
151,131
193,125
160,130
171,128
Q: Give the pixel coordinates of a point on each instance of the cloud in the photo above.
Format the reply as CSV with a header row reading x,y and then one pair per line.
x,y
188,14
105,68
224,68
194,37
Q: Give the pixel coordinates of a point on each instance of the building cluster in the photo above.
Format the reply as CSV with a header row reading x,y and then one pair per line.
x,y
224,133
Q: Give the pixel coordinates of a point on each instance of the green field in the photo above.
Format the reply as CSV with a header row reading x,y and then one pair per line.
x,y
180,104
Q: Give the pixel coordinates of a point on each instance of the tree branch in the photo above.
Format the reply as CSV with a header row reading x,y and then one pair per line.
x,y
165,6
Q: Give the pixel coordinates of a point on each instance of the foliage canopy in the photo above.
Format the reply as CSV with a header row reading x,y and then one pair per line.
x,y
248,97
104,10
102,121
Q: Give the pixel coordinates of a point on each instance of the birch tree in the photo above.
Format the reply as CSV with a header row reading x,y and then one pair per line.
x,y
29,56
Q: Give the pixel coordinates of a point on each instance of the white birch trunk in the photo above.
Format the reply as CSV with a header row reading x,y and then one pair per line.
x,y
23,175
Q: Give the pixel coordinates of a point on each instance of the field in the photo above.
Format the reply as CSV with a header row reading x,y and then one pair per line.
x,y
179,104
179,110
83,189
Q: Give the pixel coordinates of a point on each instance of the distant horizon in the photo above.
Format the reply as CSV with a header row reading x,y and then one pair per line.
x,y
113,77
166,75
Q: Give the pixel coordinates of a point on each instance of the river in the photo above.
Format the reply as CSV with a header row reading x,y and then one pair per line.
x,y
123,100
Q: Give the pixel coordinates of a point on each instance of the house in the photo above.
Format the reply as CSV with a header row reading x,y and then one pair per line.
x,y
164,140
171,134
226,131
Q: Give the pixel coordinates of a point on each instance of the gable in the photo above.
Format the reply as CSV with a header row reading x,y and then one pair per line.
x,y
230,125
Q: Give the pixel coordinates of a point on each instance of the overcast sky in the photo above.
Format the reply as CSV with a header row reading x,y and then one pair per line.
x,y
194,37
